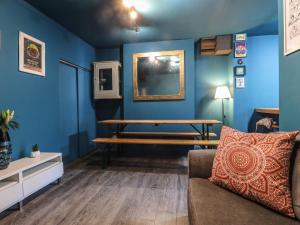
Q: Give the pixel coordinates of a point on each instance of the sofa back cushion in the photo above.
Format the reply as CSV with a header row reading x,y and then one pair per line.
x,y
296,181
256,166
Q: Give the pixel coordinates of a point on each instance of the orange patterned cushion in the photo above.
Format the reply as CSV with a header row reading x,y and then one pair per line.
x,y
256,166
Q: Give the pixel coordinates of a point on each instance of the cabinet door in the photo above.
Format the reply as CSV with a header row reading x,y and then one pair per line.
x,y
41,179
106,81
10,196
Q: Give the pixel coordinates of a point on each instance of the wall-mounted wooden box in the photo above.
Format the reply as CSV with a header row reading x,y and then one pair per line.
x,y
216,45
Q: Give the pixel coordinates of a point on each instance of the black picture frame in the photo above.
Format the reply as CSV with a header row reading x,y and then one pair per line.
x,y
240,71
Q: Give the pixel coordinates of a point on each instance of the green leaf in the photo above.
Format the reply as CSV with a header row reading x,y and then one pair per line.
x,y
6,121
13,124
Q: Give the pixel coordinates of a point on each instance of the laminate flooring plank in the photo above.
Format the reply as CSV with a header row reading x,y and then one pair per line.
x,y
120,195
105,204
34,210
69,209
181,210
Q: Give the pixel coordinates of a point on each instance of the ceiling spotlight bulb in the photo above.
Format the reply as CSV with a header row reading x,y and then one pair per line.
x,y
128,3
133,14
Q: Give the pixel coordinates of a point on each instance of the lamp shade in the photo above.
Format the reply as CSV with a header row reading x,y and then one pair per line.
x,y
222,92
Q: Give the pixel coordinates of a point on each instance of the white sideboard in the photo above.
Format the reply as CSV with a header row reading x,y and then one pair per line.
x,y
25,176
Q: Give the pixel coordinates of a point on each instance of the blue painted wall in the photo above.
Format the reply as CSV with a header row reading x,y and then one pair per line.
x,y
87,116
211,72
36,99
182,109
262,83
289,83
108,54
262,80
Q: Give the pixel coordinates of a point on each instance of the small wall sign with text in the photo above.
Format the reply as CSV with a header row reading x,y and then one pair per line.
x,y
240,82
31,55
240,71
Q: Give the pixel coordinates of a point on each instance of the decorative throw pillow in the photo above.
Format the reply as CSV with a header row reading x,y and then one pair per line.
x,y
256,166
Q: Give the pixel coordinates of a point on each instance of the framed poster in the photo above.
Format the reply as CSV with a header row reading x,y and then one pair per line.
x,y
31,55
240,49
240,71
291,16
240,82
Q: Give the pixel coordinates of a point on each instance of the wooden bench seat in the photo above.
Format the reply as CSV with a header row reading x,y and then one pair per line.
x,y
155,141
164,134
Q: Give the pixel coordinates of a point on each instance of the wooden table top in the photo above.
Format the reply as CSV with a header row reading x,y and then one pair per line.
x,y
268,110
153,122
154,141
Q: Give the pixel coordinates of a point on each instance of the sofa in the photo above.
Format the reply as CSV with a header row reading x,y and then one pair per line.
x,y
209,204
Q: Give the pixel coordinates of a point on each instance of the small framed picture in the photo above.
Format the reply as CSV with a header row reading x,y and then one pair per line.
x,y
240,82
240,61
240,71
31,55
240,49
240,37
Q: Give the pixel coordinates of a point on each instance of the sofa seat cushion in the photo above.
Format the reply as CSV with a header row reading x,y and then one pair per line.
x,y
212,205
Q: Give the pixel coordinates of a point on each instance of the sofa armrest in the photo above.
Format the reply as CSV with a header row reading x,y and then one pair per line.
x,y
200,163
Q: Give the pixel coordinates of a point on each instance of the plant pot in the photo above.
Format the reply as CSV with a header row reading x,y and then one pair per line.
x,y
5,150
36,154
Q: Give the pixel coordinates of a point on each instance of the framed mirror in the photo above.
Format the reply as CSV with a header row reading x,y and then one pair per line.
x,y
158,75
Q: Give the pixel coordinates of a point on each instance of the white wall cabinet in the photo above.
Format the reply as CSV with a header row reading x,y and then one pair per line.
x,y
107,80
28,175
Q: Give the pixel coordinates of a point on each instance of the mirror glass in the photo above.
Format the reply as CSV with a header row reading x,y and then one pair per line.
x,y
159,75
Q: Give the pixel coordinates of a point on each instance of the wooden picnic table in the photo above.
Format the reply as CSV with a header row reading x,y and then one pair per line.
x,y
204,134
206,122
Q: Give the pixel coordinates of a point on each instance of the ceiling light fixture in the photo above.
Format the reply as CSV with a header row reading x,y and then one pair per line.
x,y
128,3
133,13
133,16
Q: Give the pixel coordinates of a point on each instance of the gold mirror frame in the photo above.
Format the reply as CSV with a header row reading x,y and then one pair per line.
x,y
136,95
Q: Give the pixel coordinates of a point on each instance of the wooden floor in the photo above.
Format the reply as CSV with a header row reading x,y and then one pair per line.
x,y
134,191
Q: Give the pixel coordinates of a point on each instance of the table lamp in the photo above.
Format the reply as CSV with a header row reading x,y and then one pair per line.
x,y
222,92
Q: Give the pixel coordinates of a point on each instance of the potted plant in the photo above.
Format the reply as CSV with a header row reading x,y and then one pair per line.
x,y
35,151
6,122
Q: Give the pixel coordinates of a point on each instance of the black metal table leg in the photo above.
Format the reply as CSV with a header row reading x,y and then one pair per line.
x,y
201,133
119,130
207,132
104,157
196,129
109,154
